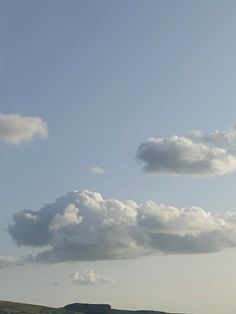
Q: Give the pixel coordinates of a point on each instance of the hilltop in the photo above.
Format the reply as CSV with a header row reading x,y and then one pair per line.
x,y
7,307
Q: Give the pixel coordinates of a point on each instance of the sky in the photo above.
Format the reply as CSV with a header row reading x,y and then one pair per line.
x,y
118,153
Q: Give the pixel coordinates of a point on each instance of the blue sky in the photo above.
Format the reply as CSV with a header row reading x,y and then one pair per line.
x,y
105,76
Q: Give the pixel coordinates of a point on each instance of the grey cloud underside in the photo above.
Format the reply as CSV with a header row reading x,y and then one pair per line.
x,y
196,154
83,226
205,242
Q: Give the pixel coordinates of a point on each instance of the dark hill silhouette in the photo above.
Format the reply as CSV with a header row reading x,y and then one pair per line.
x,y
104,309
89,308
7,307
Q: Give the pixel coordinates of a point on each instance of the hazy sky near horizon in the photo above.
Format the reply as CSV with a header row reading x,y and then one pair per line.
x,y
102,96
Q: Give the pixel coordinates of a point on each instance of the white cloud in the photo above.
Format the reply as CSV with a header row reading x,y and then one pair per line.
x,y
16,129
6,261
223,139
96,170
85,226
196,154
89,277
69,217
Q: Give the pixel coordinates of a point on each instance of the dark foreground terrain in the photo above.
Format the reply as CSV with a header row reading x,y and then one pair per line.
x,y
76,308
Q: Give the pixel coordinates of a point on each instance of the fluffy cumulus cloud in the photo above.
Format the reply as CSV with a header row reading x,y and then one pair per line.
x,y
16,129
85,226
6,261
96,170
89,277
196,154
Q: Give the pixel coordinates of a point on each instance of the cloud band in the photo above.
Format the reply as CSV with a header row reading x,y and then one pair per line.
x,y
85,226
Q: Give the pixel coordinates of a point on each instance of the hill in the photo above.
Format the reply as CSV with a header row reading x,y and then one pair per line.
x,y
104,309
21,308
75,308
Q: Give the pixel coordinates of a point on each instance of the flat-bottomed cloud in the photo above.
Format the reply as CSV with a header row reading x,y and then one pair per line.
x,y
85,226
196,154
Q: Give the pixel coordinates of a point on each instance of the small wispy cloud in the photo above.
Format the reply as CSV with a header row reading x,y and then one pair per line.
x,y
17,129
6,261
89,277
96,170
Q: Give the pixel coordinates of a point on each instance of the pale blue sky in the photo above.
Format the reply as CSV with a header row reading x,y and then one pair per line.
x,y
106,75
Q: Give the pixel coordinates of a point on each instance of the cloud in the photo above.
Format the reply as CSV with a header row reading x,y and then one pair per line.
x,y
196,154
69,217
89,277
84,226
222,139
96,170
6,261
16,129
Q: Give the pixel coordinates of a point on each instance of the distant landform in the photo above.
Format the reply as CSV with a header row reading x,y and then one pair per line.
x,y
7,307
